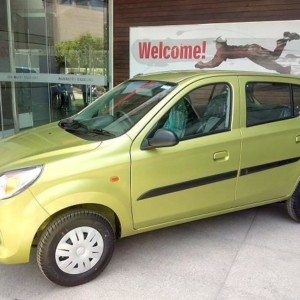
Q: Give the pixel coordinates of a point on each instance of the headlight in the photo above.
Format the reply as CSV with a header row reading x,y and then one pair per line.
x,y
14,182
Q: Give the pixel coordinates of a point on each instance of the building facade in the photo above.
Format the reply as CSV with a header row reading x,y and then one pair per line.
x,y
56,56
53,59
136,13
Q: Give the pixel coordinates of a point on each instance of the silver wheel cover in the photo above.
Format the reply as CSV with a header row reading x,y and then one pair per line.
x,y
79,250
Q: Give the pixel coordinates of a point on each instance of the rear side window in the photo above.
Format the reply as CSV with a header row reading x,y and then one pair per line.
x,y
296,97
268,102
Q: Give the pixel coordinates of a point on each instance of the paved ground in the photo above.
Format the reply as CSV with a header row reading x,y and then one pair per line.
x,y
252,254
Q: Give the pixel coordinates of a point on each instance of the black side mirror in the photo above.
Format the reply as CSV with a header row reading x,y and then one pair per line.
x,y
162,138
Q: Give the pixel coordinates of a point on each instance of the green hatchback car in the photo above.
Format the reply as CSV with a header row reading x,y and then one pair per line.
x,y
157,150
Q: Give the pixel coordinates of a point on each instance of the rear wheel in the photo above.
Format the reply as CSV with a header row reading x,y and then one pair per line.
x,y
293,205
75,248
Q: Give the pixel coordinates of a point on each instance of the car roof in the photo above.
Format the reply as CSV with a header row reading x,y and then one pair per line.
x,y
178,76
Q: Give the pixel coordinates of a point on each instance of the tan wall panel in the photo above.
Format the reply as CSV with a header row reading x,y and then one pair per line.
x,y
72,22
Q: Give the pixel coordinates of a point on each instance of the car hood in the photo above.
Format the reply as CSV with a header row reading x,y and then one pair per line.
x,y
39,145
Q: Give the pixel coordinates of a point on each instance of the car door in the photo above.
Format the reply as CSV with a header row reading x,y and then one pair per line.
x,y
271,135
198,175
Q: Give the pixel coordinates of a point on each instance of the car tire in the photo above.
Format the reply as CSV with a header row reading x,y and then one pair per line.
x,y
75,247
293,205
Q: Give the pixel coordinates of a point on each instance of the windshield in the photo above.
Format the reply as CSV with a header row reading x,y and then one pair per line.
x,y
118,110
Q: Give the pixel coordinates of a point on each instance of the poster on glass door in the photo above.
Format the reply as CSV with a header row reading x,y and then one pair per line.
x,y
250,46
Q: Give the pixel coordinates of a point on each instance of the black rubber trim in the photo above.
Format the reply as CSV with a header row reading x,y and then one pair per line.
x,y
187,185
275,164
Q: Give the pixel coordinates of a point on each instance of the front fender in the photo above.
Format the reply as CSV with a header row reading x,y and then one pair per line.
x,y
122,211
59,196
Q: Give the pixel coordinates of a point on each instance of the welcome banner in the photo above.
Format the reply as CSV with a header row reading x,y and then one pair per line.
x,y
253,46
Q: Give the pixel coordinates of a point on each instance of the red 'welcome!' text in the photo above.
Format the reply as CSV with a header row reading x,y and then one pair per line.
x,y
149,50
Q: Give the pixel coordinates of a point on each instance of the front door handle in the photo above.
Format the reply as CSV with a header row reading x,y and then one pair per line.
x,y
298,139
221,156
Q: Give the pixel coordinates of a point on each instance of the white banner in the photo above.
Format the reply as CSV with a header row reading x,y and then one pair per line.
x,y
253,46
54,78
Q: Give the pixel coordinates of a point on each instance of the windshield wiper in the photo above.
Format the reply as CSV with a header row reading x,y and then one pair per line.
x,y
101,132
75,125
72,125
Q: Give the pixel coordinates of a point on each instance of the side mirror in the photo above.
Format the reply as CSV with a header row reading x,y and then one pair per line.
x,y
162,138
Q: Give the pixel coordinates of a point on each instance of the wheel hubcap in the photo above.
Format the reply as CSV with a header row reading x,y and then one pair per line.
x,y
79,250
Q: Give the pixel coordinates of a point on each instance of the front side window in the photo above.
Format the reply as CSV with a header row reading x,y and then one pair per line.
x,y
267,102
118,110
205,110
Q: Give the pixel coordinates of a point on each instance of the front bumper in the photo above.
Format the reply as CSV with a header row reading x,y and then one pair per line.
x,y
20,219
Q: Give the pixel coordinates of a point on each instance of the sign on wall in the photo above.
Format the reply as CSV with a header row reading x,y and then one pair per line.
x,y
54,78
253,46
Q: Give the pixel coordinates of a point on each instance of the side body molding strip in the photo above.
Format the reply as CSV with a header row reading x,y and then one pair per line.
x,y
275,164
187,185
214,178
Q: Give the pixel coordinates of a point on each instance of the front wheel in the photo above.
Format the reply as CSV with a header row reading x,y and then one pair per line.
x,y
75,247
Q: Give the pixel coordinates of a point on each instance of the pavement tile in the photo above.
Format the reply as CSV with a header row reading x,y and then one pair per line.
x,y
232,226
274,229
264,273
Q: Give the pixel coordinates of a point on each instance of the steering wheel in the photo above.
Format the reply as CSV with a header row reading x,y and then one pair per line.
x,y
126,117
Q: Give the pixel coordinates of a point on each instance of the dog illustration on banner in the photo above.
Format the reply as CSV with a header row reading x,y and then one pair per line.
x,y
256,53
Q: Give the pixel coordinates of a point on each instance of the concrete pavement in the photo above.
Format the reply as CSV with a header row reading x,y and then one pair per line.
x,y
251,254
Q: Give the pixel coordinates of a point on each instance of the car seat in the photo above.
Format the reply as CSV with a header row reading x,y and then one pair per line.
x,y
216,115
181,117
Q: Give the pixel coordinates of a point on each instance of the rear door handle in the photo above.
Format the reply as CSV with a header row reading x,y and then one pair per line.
x,y
221,156
298,139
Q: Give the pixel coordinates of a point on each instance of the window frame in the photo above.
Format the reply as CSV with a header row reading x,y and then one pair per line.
x,y
291,99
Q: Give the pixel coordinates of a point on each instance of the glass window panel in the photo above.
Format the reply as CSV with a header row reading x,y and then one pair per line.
x,y
205,110
7,120
267,102
59,52
296,97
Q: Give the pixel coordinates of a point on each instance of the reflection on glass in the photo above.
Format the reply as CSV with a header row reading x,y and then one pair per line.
x,y
83,55
77,51
63,39
7,122
90,3
90,93
68,99
62,100
6,112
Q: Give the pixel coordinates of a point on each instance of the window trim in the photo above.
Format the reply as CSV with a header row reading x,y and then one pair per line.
x,y
269,122
291,100
204,134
